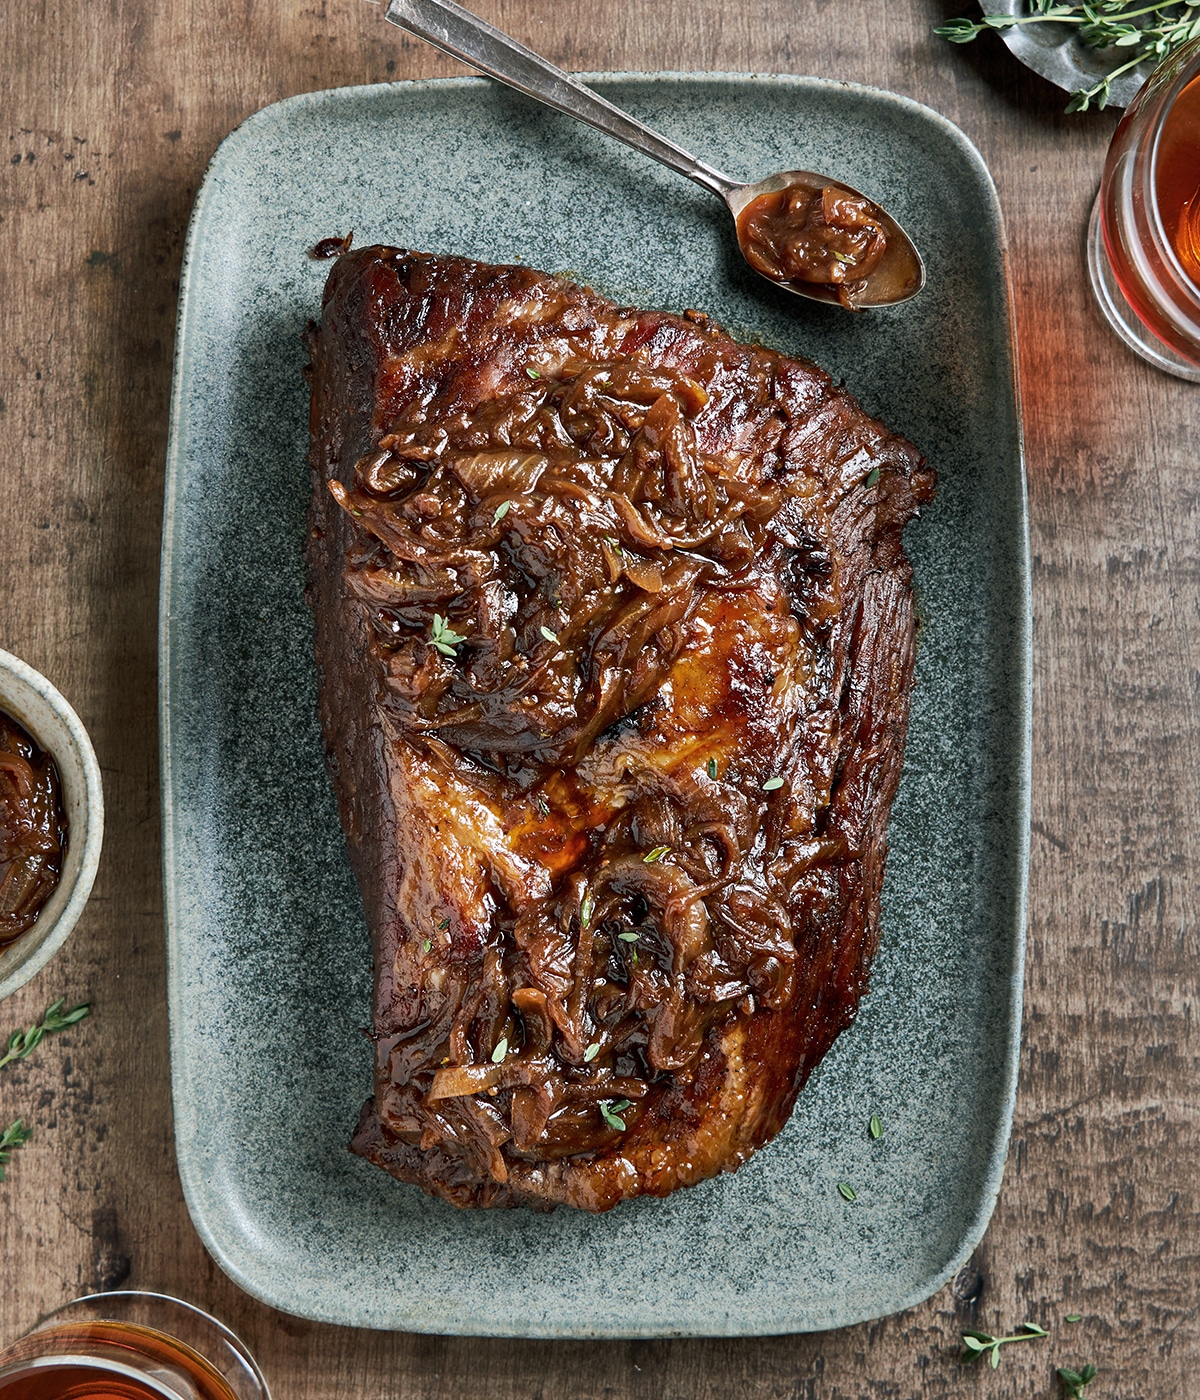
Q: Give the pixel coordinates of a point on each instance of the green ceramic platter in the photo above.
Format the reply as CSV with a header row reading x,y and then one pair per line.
x,y
269,955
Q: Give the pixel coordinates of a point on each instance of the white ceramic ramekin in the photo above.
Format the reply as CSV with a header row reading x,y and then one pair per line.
x,y
31,700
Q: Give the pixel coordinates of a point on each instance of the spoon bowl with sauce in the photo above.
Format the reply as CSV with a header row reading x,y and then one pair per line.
x,y
824,240
812,235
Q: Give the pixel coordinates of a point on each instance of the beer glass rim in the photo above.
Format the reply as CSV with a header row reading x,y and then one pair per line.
x,y
112,1306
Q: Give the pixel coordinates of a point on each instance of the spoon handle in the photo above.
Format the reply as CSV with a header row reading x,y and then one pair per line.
x,y
456,31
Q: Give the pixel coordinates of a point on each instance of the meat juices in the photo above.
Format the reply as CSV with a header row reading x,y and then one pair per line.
x,y
615,638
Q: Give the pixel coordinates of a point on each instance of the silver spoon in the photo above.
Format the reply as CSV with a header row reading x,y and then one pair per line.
x,y
894,277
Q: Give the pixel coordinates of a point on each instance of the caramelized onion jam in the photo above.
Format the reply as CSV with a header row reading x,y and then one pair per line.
x,y
826,235
33,829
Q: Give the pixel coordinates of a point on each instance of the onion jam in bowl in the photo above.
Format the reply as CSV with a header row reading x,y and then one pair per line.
x,y
52,820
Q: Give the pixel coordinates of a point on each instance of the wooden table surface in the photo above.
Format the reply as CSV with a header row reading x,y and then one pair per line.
x,y
111,110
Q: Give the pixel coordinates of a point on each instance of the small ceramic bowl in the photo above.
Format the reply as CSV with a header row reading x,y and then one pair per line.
x,y
34,703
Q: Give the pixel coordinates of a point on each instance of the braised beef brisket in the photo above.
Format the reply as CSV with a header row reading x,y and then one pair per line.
x,y
615,638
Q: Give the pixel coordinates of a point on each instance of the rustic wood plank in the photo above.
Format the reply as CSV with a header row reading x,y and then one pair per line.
x,y
112,111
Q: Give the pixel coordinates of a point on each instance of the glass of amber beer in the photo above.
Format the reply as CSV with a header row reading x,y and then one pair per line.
x,y
130,1346
1144,236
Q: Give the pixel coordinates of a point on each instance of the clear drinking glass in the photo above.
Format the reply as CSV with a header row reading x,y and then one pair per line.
x,y
1143,245
130,1346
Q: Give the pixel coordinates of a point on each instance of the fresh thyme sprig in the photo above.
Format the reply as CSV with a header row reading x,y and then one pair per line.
x,y
14,1136
1074,1383
442,636
977,1344
1102,24
23,1043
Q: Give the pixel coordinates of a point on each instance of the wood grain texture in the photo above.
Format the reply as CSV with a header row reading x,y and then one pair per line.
x,y
111,111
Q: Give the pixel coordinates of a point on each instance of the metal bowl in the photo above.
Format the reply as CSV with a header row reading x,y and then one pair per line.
x,y
1054,51
35,704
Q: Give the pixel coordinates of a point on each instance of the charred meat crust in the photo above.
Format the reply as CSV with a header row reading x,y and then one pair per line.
x,y
621,835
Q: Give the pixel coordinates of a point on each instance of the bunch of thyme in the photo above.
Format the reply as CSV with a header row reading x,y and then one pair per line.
x,y
1149,31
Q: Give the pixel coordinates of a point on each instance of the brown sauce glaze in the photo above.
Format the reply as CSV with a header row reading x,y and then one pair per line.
x,y
334,247
33,829
830,236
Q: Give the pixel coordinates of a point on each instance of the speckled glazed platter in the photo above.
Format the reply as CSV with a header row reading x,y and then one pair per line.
x,y
268,953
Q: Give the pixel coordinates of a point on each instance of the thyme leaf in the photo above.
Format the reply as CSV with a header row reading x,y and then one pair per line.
x,y
14,1136
712,768
443,637
1074,1383
846,1191
772,784
875,1127
611,1110
591,1052
501,511
500,1051
656,854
